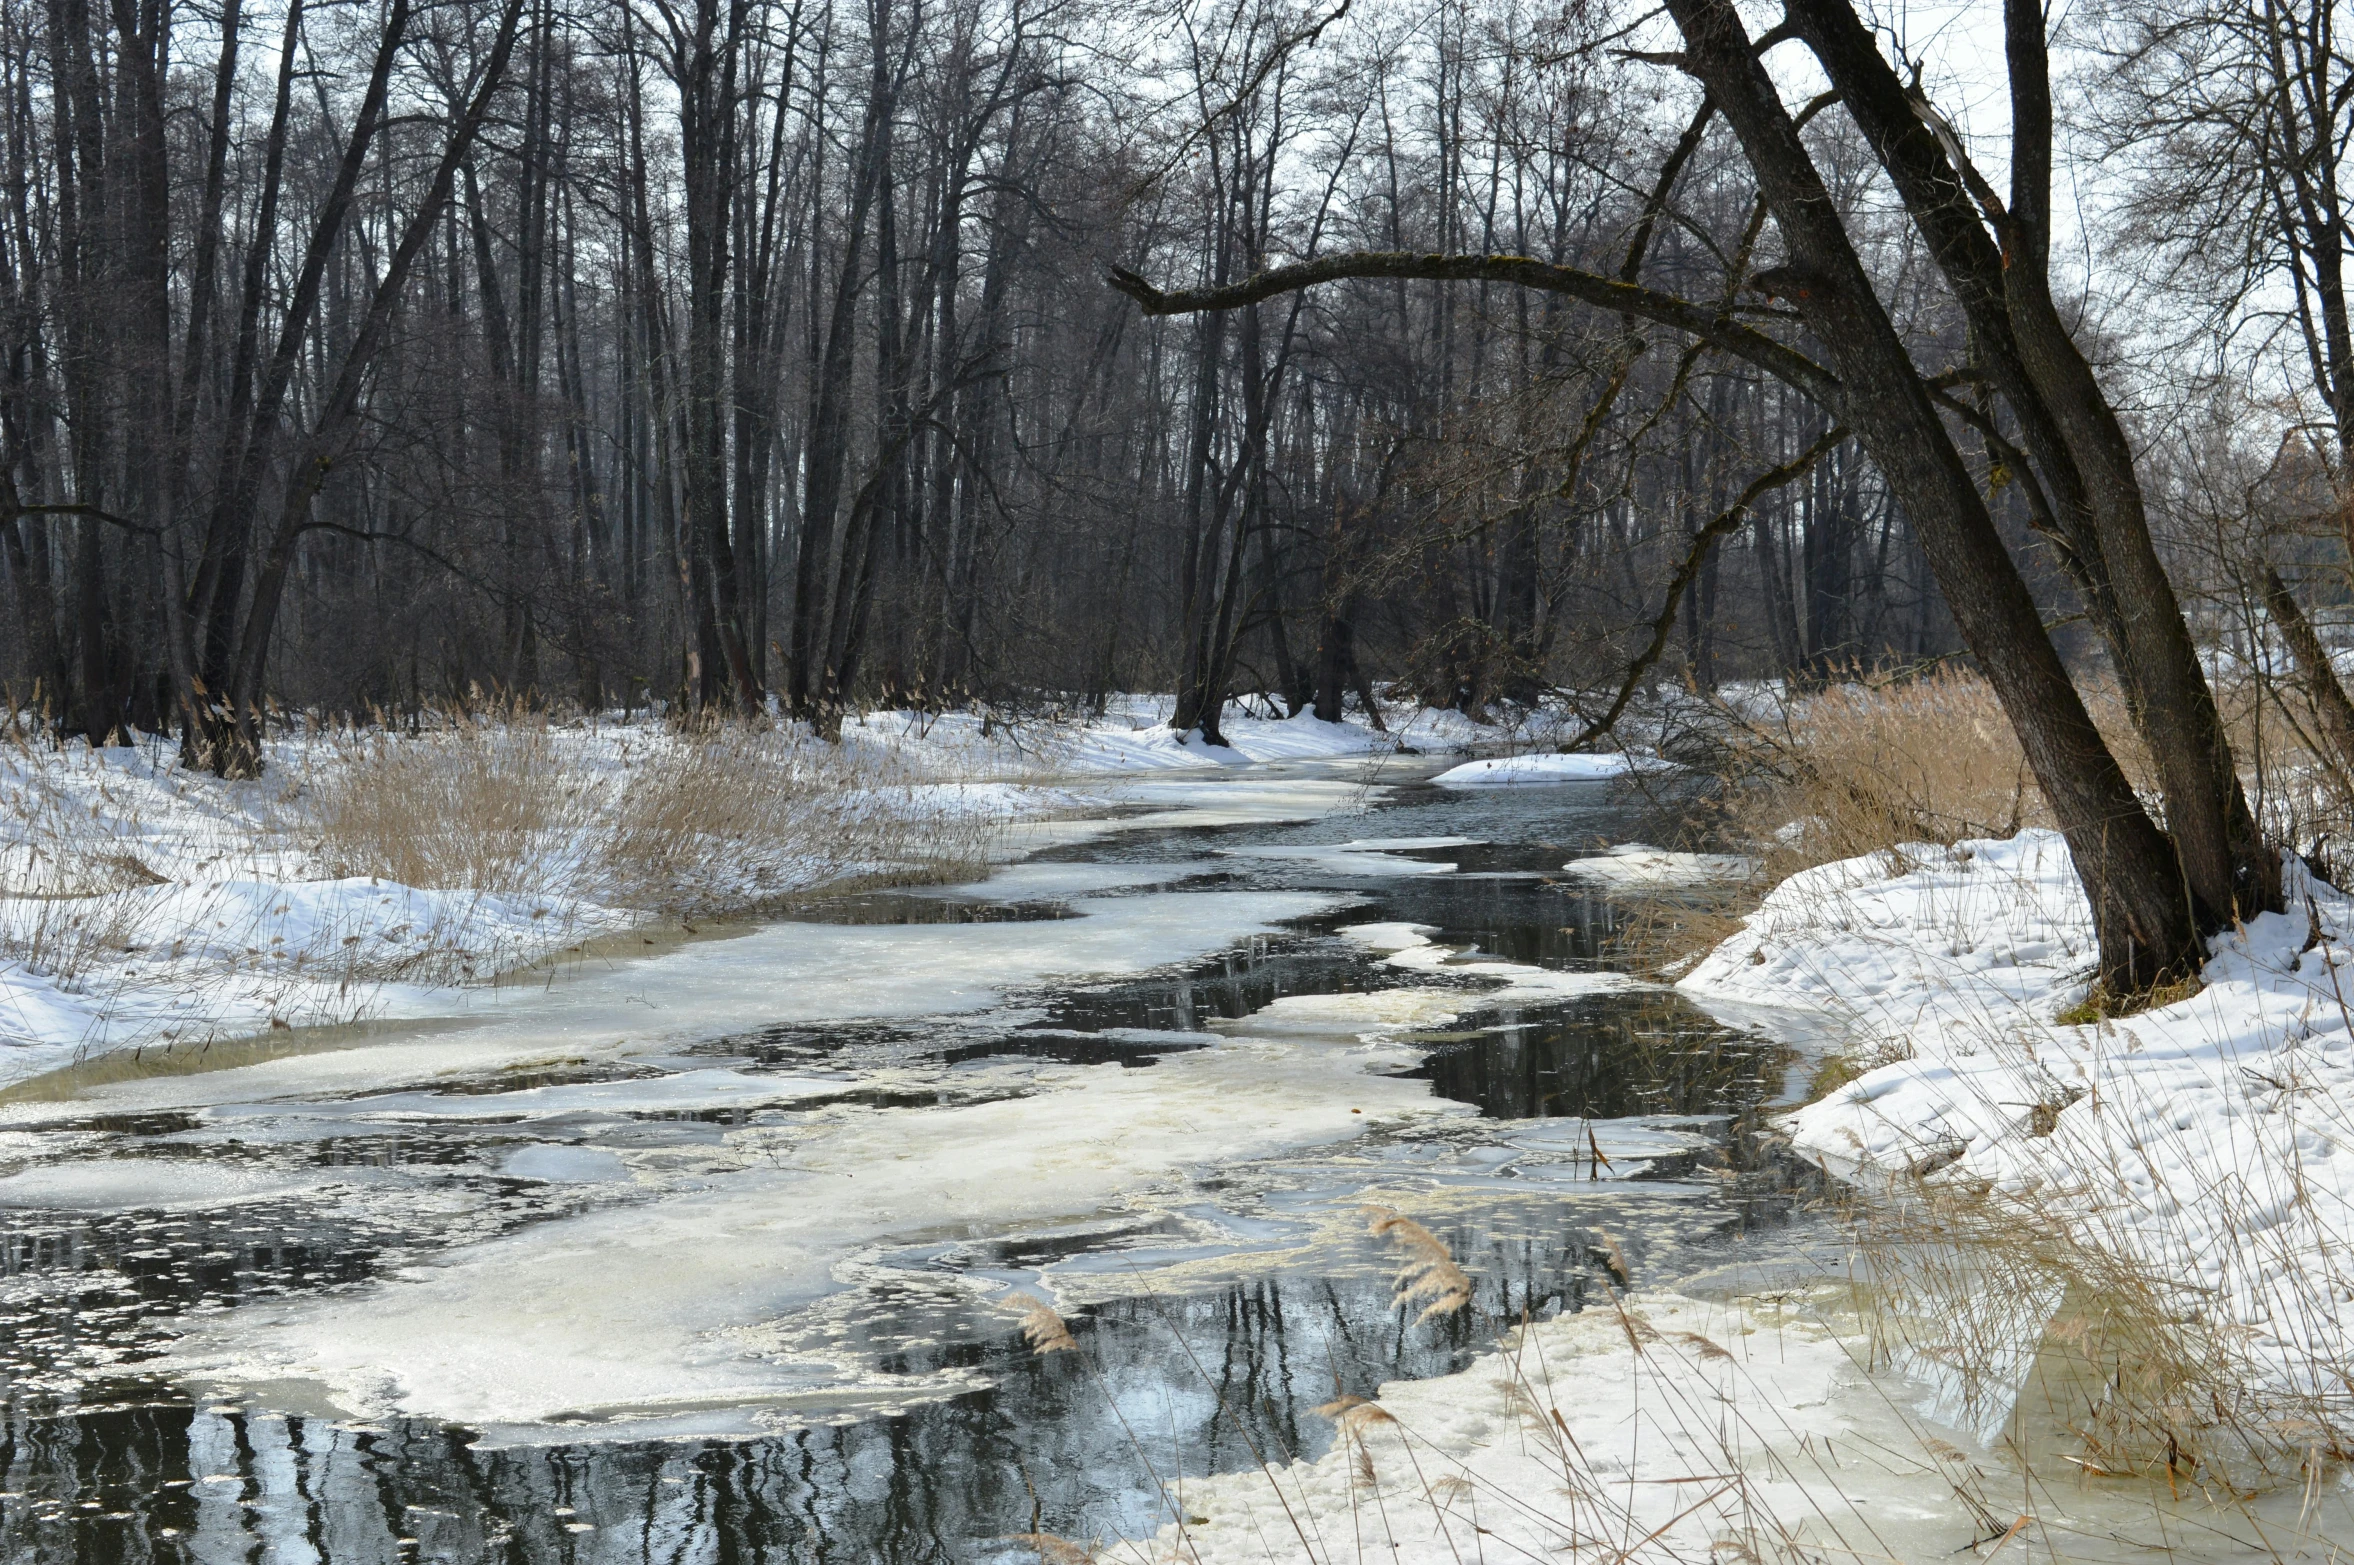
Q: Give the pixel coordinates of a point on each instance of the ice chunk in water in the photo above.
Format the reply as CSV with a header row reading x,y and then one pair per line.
x,y
556,1164
120,1184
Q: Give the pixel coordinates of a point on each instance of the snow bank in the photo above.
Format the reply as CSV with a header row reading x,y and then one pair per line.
x,y
1505,771
2207,1146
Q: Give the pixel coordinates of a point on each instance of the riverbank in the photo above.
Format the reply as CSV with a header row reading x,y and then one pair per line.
x,y
367,874
2097,1298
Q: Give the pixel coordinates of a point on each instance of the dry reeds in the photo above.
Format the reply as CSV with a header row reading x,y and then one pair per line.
x,y
483,805
1429,1271
1860,769
700,822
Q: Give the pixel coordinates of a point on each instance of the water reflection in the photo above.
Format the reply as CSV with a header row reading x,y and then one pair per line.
x,y
1196,1358
1607,1057
1165,1384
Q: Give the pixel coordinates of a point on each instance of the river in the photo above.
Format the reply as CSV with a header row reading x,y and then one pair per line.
x,y
704,1253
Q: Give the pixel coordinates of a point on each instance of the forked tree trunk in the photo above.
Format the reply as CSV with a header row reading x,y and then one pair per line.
x,y
2143,906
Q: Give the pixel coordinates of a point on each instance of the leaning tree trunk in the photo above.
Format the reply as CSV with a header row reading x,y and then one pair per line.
x,y
2129,870
2142,904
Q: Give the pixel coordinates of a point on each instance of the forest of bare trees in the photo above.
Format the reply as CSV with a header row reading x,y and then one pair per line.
x,y
364,357
367,356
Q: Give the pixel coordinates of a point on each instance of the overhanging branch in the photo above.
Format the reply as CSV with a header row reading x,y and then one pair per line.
x,y
1704,542
1714,326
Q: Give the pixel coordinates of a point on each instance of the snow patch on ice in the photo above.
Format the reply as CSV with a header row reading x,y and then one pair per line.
x,y
1532,770
1409,946
1636,865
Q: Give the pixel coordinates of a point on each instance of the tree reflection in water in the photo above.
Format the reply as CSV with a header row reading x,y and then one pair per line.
x,y
1165,1385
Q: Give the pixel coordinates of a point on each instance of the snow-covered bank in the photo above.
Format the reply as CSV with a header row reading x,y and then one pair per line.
x,y
370,875
2204,1150
363,876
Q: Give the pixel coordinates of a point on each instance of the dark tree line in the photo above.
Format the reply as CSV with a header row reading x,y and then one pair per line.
x,y
368,356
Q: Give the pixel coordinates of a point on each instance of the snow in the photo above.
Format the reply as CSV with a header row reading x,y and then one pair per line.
x,y
1505,771
2206,1147
1638,866
1132,734
1659,1428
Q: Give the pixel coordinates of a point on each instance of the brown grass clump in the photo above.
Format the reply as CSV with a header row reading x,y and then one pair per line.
x,y
2100,1004
476,806
1430,1271
1042,1328
700,822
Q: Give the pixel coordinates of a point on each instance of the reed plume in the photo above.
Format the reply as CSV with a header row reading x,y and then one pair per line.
x,y
1430,1271
1354,1416
1615,1259
1042,1328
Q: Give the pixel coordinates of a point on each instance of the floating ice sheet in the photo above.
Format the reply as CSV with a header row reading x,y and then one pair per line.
x,y
1523,770
124,1184
1636,864
643,1313
1372,857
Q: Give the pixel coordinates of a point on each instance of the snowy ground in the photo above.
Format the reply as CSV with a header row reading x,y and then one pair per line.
x,y
2206,1147
144,906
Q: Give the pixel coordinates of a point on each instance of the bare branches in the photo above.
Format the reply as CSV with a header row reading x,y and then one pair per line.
x,y
1716,327
1704,542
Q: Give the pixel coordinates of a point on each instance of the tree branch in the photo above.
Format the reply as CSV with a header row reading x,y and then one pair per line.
x,y
1713,326
1704,542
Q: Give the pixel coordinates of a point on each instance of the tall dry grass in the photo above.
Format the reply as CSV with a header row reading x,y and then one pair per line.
x,y
1863,768
697,821
485,805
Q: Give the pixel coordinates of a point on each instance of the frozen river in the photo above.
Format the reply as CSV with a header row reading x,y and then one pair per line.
x,y
705,1253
